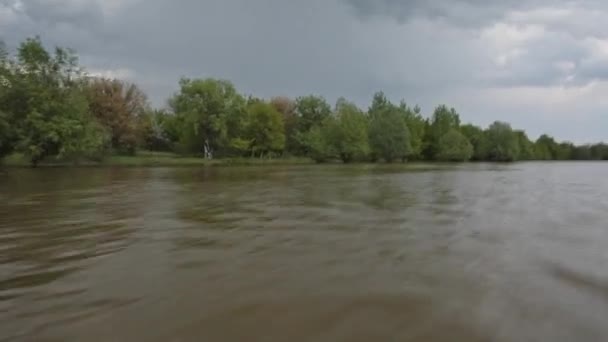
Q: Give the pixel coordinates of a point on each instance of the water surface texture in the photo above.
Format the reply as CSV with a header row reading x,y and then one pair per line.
x,y
476,252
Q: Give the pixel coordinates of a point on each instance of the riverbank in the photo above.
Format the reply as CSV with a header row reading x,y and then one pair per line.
x,y
153,159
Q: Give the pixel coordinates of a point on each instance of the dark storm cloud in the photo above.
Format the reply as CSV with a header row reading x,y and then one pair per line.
x,y
469,13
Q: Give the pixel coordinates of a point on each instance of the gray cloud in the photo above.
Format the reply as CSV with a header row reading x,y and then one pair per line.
x,y
481,56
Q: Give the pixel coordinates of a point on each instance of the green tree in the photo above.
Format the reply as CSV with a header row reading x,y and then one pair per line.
x,y
264,129
6,136
119,107
599,151
416,125
526,146
311,111
46,99
582,152
503,143
444,120
454,147
564,151
350,136
205,106
389,136
287,108
545,148
478,140
379,104
319,141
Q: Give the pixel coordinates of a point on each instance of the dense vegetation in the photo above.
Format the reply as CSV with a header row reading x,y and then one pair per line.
x,y
50,108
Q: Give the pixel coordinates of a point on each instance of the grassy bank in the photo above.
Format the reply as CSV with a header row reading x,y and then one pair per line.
x,y
151,159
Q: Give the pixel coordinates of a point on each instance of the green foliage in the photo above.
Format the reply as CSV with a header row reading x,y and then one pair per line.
x,y
319,141
389,136
444,120
50,109
454,147
205,107
545,148
6,139
526,146
503,143
564,151
287,108
599,151
46,101
312,111
478,140
417,126
350,132
264,129
120,108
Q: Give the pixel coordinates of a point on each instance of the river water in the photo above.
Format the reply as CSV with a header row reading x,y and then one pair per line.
x,y
473,252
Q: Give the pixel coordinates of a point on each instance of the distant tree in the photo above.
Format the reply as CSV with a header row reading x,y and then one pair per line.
x,y
43,93
119,107
350,136
503,143
264,129
416,125
526,146
287,108
599,151
389,136
444,120
312,111
6,136
319,141
582,152
545,148
379,104
205,106
154,130
564,151
454,147
478,140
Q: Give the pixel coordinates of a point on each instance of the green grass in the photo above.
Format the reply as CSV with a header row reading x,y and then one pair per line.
x,y
151,159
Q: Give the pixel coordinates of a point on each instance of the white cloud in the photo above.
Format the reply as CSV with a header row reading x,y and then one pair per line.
x,y
120,73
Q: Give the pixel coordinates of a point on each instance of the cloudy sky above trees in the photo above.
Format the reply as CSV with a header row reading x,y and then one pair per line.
x,y
541,65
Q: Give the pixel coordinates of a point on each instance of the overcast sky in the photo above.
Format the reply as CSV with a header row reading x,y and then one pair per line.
x,y
541,65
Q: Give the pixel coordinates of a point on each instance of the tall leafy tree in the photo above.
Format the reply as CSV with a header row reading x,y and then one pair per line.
x,y
311,110
120,107
454,147
287,108
319,141
564,151
205,106
350,133
478,140
444,120
416,125
526,146
265,130
6,136
45,97
545,148
389,136
503,143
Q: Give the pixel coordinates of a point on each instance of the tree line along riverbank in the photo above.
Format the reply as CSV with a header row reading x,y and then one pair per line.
x,y
53,112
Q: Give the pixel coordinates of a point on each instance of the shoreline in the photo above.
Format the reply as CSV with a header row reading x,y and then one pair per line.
x,y
163,159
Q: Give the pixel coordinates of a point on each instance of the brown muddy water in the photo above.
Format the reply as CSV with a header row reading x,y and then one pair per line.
x,y
475,252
